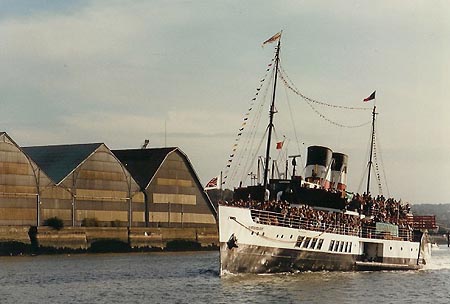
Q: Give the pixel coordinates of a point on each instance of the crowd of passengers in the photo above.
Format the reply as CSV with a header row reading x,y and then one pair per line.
x,y
378,209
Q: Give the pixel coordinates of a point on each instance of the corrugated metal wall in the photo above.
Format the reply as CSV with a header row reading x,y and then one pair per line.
x,y
100,188
175,199
18,186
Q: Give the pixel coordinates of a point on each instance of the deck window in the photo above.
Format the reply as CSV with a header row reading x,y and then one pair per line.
x,y
299,241
313,243
349,247
306,243
331,245
341,248
336,246
319,244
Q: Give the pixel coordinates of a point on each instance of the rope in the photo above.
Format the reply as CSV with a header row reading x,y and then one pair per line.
x,y
240,132
377,170
310,101
333,122
290,85
299,150
382,166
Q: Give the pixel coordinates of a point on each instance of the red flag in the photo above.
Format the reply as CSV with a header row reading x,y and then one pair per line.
x,y
280,145
372,96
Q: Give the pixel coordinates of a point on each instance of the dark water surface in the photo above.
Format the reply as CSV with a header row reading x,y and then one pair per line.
x,y
193,278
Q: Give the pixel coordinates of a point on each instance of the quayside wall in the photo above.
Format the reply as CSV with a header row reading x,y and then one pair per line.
x,y
45,239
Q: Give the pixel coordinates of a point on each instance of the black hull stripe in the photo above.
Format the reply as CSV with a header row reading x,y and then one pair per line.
x,y
258,259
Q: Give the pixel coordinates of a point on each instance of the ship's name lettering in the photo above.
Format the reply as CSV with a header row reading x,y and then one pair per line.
x,y
256,228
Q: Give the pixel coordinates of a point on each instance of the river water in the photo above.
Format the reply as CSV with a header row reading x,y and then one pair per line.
x,y
193,278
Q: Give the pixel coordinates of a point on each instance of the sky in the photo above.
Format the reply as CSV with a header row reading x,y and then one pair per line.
x,y
183,73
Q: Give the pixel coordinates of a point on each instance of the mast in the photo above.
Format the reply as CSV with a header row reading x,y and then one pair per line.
x,y
371,149
271,113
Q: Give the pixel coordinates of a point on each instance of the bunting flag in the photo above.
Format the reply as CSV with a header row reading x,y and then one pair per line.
x,y
245,118
273,38
280,145
371,97
214,183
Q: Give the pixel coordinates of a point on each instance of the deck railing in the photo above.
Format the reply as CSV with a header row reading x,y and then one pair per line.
x,y
297,222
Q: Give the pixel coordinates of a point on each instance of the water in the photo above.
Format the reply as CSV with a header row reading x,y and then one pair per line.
x,y
193,278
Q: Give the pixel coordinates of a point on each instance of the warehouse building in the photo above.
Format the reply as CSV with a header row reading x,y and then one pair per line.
x,y
88,184
20,180
172,195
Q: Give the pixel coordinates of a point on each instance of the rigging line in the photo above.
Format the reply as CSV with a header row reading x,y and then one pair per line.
x,y
254,156
252,104
333,122
382,164
310,101
362,179
366,166
377,171
252,137
290,85
245,156
279,158
293,122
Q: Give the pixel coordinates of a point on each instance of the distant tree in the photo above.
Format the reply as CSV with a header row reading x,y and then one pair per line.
x,y
54,222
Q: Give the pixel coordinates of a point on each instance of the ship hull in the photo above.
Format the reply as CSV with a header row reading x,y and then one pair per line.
x,y
248,246
257,259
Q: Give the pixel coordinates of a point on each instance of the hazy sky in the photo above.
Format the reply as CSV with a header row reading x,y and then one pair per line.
x,y
122,71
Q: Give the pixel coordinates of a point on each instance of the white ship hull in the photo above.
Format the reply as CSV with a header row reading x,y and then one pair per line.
x,y
247,245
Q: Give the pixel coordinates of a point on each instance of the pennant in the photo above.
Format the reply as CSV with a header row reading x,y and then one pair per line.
x,y
273,38
372,96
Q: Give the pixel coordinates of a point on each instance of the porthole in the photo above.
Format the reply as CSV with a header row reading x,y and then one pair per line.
x,y
390,248
292,236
